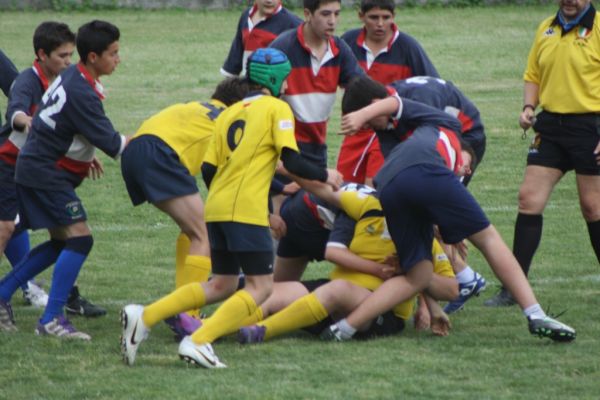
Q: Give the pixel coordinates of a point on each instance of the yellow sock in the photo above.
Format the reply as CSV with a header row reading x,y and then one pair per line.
x,y
305,311
254,318
182,249
190,296
227,318
195,269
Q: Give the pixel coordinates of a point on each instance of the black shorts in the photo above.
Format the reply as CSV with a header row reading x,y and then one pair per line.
x,y
40,208
566,142
9,206
152,171
384,325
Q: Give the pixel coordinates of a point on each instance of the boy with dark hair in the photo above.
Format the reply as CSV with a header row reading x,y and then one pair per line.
x,y
60,147
387,55
258,26
320,63
250,137
53,45
159,166
418,189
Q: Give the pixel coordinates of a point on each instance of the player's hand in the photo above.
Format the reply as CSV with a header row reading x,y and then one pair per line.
x,y
527,118
422,317
278,226
290,188
440,324
334,178
96,170
352,123
386,272
597,153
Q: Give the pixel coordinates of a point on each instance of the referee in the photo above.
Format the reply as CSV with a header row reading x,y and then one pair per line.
x,y
563,79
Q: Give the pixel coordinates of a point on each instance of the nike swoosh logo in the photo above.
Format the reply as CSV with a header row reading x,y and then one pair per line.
x,y
132,340
211,362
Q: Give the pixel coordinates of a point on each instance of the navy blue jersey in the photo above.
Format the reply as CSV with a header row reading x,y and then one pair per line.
x,y
69,124
249,38
445,96
434,141
8,73
25,95
403,58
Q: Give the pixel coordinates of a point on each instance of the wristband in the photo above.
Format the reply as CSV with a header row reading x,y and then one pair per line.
x,y
526,106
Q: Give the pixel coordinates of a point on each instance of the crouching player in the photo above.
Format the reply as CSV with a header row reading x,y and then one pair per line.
x,y
418,188
250,137
69,123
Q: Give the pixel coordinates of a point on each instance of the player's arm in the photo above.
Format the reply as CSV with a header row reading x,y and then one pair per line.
x,y
20,104
440,323
342,256
208,173
354,121
8,73
443,288
299,167
233,63
530,103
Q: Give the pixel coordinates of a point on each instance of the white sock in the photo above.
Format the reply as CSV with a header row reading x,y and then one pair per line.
x,y
346,330
534,312
466,275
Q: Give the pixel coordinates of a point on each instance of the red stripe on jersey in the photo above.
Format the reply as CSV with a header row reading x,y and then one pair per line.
x,y
40,73
94,83
302,80
79,168
386,73
256,39
445,151
9,152
312,207
465,121
314,132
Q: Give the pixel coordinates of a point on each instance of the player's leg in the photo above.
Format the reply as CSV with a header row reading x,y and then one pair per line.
x,y
470,282
589,199
289,268
538,183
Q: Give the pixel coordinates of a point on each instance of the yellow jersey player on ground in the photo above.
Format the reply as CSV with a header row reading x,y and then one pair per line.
x,y
361,267
250,138
159,166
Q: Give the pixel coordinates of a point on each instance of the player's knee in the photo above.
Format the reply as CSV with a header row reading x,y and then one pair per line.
x,y
530,202
80,244
334,292
7,228
590,210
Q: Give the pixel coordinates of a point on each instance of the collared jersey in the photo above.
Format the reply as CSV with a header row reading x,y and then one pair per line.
x,y
249,138
442,95
433,141
249,37
404,57
312,85
566,65
69,125
186,128
372,241
25,95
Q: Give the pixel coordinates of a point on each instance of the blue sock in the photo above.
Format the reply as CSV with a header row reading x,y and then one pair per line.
x,y
67,268
32,264
17,248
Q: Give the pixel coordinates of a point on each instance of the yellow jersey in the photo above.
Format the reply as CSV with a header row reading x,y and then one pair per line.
x,y
372,241
186,128
249,138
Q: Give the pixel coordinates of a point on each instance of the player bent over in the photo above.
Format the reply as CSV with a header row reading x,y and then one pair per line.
x,y
159,166
250,137
69,124
418,188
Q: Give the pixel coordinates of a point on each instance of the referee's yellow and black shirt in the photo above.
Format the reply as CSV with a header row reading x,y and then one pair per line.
x,y
566,65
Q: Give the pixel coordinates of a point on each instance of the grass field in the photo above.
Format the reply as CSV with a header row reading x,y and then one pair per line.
x,y
174,56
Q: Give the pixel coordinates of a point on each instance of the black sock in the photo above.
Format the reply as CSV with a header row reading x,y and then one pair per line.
x,y
528,233
594,230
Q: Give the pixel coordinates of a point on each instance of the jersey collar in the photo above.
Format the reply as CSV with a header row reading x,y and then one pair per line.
x,y
94,83
586,20
37,68
300,34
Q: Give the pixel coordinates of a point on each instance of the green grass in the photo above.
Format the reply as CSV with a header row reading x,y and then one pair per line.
x,y
174,56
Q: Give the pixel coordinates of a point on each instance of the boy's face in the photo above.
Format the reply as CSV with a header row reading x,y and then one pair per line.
x,y
465,168
58,59
266,7
105,63
324,20
378,23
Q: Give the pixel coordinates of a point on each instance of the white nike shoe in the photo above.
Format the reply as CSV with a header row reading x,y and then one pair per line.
x,y
134,331
35,295
201,355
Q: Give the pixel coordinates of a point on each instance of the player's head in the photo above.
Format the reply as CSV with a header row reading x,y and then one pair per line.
x,y
231,90
321,17
267,7
53,44
360,92
268,68
367,5
469,158
96,37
